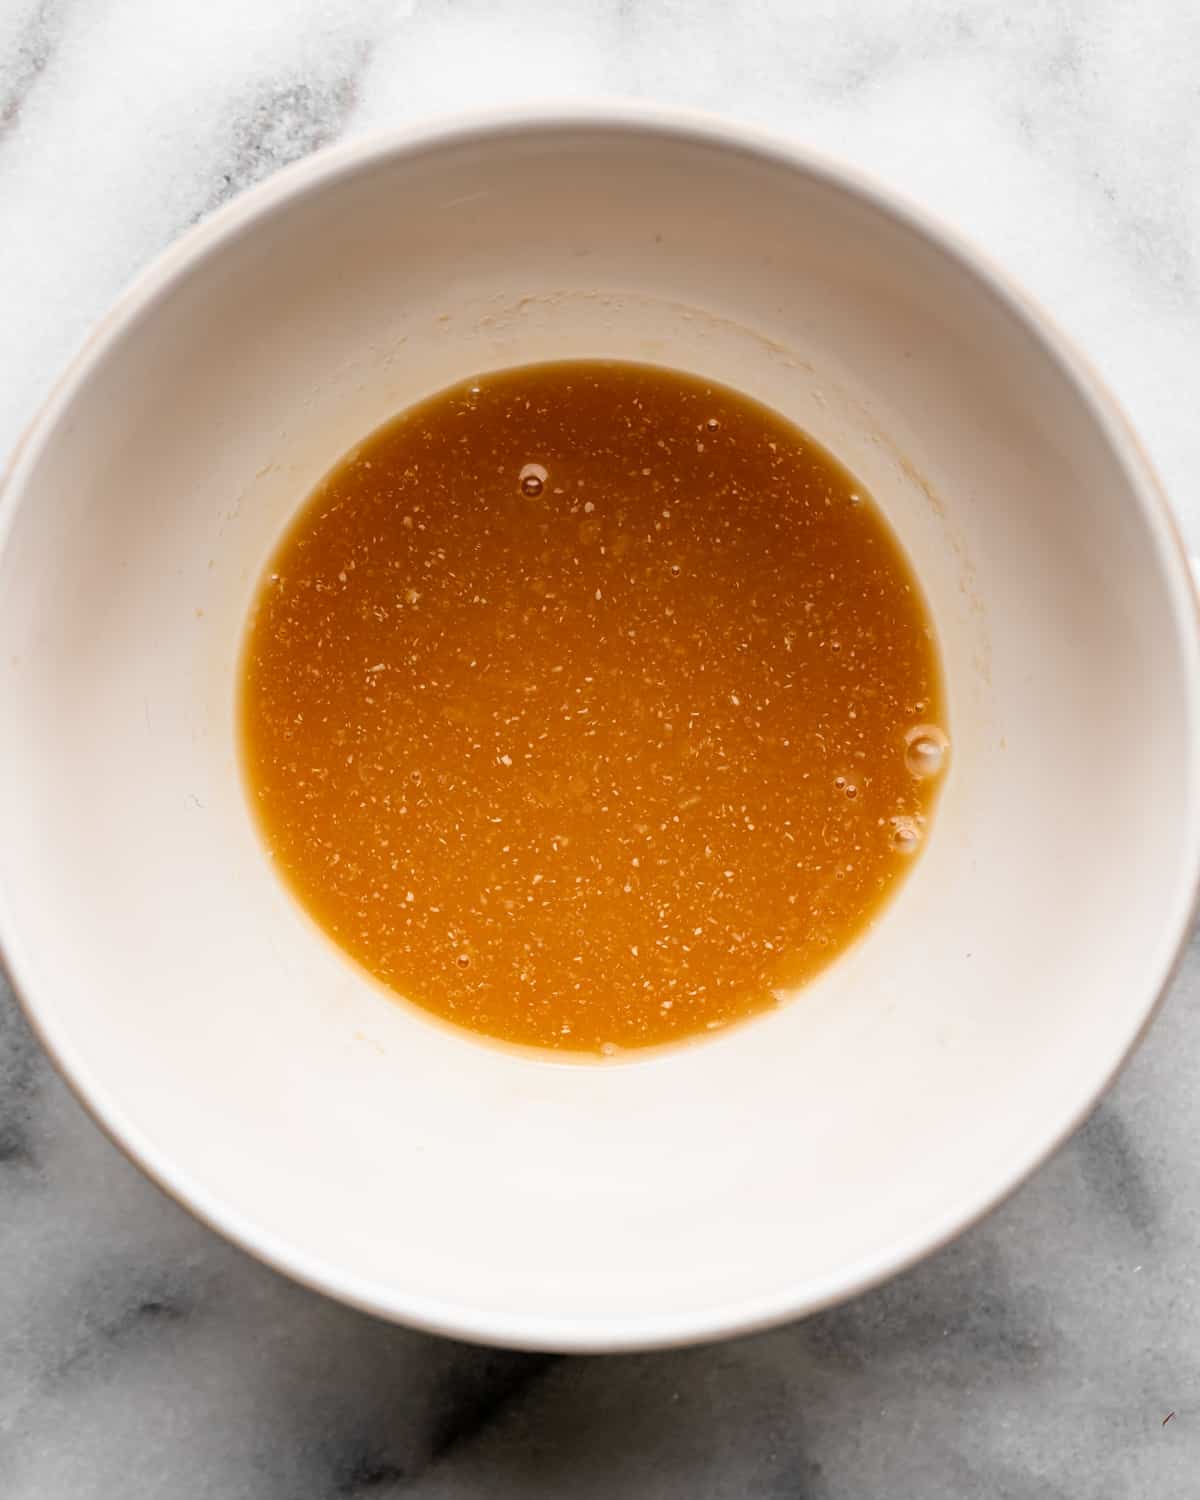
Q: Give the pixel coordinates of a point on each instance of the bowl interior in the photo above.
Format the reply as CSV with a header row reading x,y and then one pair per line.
x,y
450,1182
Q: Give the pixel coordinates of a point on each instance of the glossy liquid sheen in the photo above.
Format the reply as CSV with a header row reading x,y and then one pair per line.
x,y
591,706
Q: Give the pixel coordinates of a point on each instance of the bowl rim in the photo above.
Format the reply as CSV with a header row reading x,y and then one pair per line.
x,y
1165,949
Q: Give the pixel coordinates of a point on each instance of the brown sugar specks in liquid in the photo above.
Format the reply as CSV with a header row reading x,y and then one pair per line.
x,y
591,706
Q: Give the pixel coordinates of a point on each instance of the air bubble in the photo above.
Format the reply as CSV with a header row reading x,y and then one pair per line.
x,y
906,835
674,570
925,749
463,960
712,424
533,479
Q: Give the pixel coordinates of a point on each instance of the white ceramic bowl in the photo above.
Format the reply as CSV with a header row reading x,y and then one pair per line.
x,y
446,1183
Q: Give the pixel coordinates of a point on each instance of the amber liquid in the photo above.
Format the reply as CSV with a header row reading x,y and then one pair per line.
x,y
591,706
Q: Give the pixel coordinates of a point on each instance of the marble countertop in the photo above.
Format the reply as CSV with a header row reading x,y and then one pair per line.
x,y
1051,1354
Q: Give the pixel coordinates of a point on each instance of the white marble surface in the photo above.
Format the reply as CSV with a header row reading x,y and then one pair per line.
x,y
1036,1359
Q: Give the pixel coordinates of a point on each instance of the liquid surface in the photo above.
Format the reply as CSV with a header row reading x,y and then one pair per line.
x,y
591,706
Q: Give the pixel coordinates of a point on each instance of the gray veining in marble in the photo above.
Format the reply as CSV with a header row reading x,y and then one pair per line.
x,y
1040,1356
